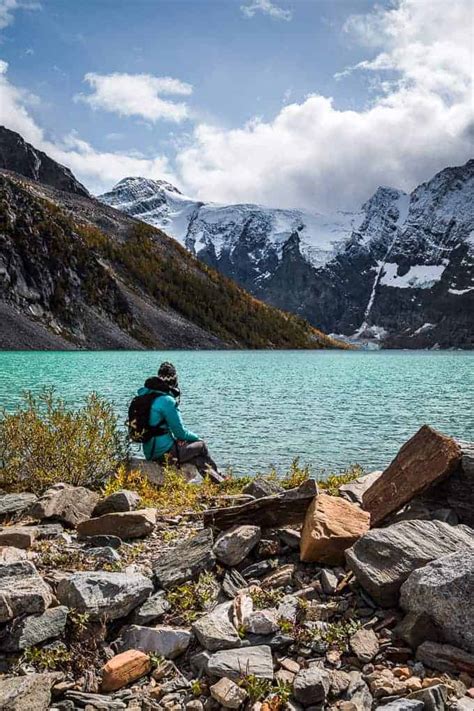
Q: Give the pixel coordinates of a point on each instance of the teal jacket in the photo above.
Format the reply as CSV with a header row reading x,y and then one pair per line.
x,y
165,409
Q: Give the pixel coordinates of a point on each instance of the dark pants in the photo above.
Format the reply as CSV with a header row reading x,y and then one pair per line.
x,y
195,453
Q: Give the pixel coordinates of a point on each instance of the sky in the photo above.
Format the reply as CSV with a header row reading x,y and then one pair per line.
x,y
290,103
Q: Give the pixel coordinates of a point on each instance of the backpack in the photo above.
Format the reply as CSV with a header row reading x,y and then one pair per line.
x,y
139,428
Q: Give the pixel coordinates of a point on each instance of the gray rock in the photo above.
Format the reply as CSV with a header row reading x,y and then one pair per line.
x,y
186,560
340,681
464,704
233,545
215,630
234,663
289,537
48,531
355,490
65,503
112,595
22,590
95,702
125,524
259,488
26,693
104,553
365,645
358,692
27,631
123,500
17,536
403,705
228,694
311,686
434,698
9,554
329,581
444,590
383,558
13,505
100,541
168,642
445,658
416,628
288,608
152,609
232,584
262,622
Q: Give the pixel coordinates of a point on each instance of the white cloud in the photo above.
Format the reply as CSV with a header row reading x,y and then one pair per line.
x,y
8,8
314,155
137,95
266,7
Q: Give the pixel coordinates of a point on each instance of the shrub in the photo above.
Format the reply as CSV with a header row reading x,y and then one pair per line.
x,y
44,442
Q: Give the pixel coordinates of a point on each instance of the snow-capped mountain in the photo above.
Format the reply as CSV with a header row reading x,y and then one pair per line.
x,y
400,270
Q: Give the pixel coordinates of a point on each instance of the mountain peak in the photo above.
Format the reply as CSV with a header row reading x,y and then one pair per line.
x,y
138,183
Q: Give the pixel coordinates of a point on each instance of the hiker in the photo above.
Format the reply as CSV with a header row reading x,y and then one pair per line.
x,y
155,421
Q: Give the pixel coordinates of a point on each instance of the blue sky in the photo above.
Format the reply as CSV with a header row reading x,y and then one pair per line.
x,y
236,66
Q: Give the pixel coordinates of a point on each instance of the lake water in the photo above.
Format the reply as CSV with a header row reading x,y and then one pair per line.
x,y
262,408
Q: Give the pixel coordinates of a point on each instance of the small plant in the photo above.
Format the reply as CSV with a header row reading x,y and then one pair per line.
x,y
255,687
265,598
78,620
331,483
197,687
48,658
156,660
296,475
285,625
189,599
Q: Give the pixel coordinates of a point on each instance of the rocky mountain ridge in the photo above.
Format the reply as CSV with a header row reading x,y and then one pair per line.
x,y
398,272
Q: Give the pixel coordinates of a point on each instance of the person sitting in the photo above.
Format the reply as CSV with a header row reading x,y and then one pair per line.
x,y
172,441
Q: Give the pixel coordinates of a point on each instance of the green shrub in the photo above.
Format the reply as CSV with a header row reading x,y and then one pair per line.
x,y
44,442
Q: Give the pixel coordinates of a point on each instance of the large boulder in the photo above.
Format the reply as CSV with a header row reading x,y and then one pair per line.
x,y
102,594
168,642
65,503
13,505
331,526
246,661
425,459
125,524
444,590
122,500
215,630
22,590
26,693
233,545
28,631
384,558
186,560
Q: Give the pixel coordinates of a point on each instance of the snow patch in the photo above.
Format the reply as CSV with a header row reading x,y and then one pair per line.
x,y
461,291
424,328
419,276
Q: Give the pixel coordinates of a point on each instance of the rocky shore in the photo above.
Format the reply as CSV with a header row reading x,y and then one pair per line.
x,y
270,599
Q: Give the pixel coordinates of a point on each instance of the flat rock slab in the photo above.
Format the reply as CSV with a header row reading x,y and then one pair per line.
x,y
235,663
28,631
125,524
168,642
22,590
426,458
384,558
233,545
102,594
260,487
13,505
445,658
286,508
185,561
444,590
215,630
65,503
123,500
403,705
332,525
27,693
228,694
17,536
152,609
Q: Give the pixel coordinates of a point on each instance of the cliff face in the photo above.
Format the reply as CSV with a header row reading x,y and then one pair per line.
x,y
399,271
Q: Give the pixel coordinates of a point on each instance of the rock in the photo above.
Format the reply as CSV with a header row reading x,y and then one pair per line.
x,y
355,490
311,686
94,702
444,590
28,631
416,628
433,698
185,561
233,545
329,581
123,669
402,705
117,502
105,553
65,503
152,471
244,661
340,681
13,505
445,658
152,609
357,693
47,531
426,458
126,524
228,694
233,582
365,645
215,630
112,595
289,537
260,487
278,578
9,554
262,622
331,526
26,693
17,536
22,590
102,541
384,558
168,642
288,608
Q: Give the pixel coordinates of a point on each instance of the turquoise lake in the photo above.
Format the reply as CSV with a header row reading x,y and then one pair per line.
x,y
262,408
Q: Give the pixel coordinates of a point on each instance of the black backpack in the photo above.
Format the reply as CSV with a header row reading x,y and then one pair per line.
x,y
139,428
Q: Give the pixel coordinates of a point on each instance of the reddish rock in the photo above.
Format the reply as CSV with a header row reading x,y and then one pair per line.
x,y
124,668
425,459
331,526
126,524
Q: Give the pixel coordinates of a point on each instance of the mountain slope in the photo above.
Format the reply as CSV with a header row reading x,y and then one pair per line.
x,y
77,274
399,271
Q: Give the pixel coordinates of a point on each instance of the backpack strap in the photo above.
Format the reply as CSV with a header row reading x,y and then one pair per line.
x,y
159,429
